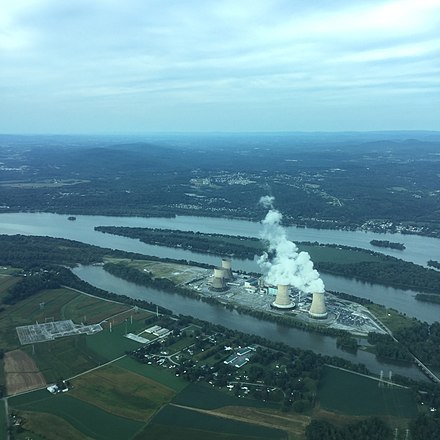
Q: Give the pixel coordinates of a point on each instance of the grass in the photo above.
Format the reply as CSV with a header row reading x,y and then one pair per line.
x,y
172,420
355,395
178,273
110,345
38,423
83,308
8,270
63,358
158,374
122,392
321,254
180,344
56,304
206,397
29,311
3,421
88,419
391,318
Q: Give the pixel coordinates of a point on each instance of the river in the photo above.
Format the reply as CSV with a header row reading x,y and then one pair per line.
x,y
419,249
217,314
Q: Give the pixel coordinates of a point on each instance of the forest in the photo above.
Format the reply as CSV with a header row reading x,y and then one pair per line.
x,y
388,244
323,182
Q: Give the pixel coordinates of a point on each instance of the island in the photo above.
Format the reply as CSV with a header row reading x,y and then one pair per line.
x,y
388,244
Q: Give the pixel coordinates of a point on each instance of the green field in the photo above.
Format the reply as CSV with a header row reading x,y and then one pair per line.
x,y
121,392
39,422
53,304
324,254
88,309
204,396
64,357
89,419
391,318
351,394
67,357
110,345
3,421
167,432
158,374
174,422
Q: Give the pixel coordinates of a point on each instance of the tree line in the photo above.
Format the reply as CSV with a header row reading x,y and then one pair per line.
x,y
388,244
387,348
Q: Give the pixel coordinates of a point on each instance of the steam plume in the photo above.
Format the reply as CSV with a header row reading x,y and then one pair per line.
x,y
285,265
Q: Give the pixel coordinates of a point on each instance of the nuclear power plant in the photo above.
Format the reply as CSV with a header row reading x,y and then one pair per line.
x,y
282,300
256,292
317,309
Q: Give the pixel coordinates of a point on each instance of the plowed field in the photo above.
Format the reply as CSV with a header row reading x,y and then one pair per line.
x,y
21,372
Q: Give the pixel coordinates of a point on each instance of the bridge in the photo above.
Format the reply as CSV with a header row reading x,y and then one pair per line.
x,y
426,370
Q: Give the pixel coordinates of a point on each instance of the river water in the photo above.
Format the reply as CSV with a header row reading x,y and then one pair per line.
x,y
419,249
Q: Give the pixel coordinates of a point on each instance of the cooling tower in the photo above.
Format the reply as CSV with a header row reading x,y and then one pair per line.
x,y
218,283
227,271
282,300
318,309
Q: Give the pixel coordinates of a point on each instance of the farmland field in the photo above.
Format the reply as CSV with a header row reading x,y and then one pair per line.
x,y
63,358
205,397
89,419
3,424
172,420
158,374
83,308
21,372
110,345
352,394
38,423
121,392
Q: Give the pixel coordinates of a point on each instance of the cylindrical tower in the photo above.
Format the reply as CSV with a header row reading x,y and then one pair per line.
x,y
219,272
226,266
318,309
282,300
218,283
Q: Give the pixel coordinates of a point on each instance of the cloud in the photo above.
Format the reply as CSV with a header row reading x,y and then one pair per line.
x,y
229,55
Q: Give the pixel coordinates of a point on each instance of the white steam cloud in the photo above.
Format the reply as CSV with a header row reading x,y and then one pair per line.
x,y
284,264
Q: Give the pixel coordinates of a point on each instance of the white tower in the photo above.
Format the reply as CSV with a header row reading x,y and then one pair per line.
x,y
282,300
218,283
318,309
227,271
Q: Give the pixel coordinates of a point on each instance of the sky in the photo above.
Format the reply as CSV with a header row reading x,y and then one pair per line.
x,y
138,66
